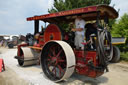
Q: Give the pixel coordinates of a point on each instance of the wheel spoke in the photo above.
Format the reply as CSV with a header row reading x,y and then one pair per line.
x,y
58,53
48,59
54,71
59,73
60,68
49,64
61,60
53,51
49,56
53,68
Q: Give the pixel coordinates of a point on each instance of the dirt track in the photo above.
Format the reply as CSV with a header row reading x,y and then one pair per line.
x,y
33,75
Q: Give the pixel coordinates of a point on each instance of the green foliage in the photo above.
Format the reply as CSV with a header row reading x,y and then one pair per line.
x,y
62,5
124,56
111,22
120,29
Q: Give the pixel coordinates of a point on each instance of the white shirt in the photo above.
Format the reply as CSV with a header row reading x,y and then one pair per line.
x,y
80,24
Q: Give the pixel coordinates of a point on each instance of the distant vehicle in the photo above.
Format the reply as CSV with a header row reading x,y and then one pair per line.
x,y
14,40
55,49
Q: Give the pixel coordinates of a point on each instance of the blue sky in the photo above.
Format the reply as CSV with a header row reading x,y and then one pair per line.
x,y
13,14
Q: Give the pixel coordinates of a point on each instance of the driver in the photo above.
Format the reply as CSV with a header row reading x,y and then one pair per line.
x,y
79,32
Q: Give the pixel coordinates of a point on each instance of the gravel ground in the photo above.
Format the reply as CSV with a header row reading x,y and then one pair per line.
x,y
33,75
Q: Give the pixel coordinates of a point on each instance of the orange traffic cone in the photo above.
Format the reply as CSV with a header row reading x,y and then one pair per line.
x,y
2,67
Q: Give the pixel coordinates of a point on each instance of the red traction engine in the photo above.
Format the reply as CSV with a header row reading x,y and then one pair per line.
x,y
58,58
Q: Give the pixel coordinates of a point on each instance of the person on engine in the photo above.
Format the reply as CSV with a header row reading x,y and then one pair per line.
x,y
79,32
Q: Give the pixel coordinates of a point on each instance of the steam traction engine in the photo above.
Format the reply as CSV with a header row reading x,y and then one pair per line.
x,y
56,52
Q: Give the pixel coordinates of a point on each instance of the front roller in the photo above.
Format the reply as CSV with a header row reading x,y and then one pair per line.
x,y
57,60
27,56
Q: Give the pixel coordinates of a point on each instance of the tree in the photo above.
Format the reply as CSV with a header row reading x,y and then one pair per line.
x,y
120,29
62,5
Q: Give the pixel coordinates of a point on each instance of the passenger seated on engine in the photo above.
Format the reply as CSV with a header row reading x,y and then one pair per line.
x,y
91,30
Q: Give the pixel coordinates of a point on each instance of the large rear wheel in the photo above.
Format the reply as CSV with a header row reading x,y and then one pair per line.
x,y
57,60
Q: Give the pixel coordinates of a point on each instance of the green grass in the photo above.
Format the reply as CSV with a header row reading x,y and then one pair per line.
x,y
124,56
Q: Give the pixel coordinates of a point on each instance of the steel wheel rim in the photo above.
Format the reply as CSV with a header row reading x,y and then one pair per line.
x,y
67,70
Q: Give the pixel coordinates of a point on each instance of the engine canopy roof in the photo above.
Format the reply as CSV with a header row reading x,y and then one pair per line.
x,y
87,13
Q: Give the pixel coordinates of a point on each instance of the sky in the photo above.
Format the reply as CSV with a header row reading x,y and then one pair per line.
x,y
13,14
